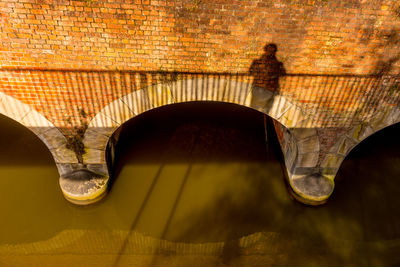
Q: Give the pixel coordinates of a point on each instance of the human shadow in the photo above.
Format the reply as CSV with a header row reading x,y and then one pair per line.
x,y
266,71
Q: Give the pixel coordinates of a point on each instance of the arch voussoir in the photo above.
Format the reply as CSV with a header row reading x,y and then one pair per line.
x,y
236,92
279,106
13,108
159,95
137,101
198,89
260,99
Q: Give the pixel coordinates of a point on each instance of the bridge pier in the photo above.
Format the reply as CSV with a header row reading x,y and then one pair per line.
x,y
83,184
88,182
305,178
80,183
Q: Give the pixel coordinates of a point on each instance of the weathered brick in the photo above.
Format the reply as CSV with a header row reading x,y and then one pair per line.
x,y
212,36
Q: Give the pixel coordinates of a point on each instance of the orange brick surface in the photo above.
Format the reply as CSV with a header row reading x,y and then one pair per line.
x,y
96,41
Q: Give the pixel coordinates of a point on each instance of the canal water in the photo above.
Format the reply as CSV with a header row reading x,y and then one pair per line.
x,y
197,184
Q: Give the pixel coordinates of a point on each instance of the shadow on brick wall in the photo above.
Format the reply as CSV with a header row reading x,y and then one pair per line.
x,y
329,100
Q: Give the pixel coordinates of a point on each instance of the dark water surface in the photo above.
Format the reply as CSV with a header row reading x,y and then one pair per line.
x,y
197,185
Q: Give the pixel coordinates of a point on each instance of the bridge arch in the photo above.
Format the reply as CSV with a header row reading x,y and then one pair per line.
x,y
299,140
41,127
385,117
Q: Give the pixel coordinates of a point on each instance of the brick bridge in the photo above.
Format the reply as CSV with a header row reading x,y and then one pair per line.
x,y
74,71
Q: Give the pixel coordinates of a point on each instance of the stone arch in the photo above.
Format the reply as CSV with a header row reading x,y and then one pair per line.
x,y
300,144
41,127
77,184
387,116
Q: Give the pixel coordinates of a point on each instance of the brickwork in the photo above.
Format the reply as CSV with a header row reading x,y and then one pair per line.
x,y
319,36
313,36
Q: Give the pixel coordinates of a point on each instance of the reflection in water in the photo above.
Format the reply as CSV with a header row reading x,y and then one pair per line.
x,y
205,168
195,186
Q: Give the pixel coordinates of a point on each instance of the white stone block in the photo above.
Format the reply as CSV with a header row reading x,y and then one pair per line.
x,y
94,156
360,132
118,111
13,108
159,95
308,145
332,161
102,121
137,101
63,155
34,119
236,91
307,160
260,99
302,133
278,107
53,138
292,117
95,140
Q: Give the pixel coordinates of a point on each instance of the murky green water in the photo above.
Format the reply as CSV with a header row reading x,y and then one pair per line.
x,y
196,184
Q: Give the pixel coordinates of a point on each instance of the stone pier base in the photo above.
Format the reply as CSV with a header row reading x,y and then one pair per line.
x,y
304,175
83,184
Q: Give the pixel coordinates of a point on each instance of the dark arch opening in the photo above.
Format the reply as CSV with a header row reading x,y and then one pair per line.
x,y
345,225
14,136
31,203
228,132
208,160
368,185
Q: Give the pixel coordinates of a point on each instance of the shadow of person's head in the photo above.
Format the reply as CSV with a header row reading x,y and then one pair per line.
x,y
270,49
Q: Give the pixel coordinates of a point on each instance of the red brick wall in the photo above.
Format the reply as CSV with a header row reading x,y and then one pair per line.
x,y
312,36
